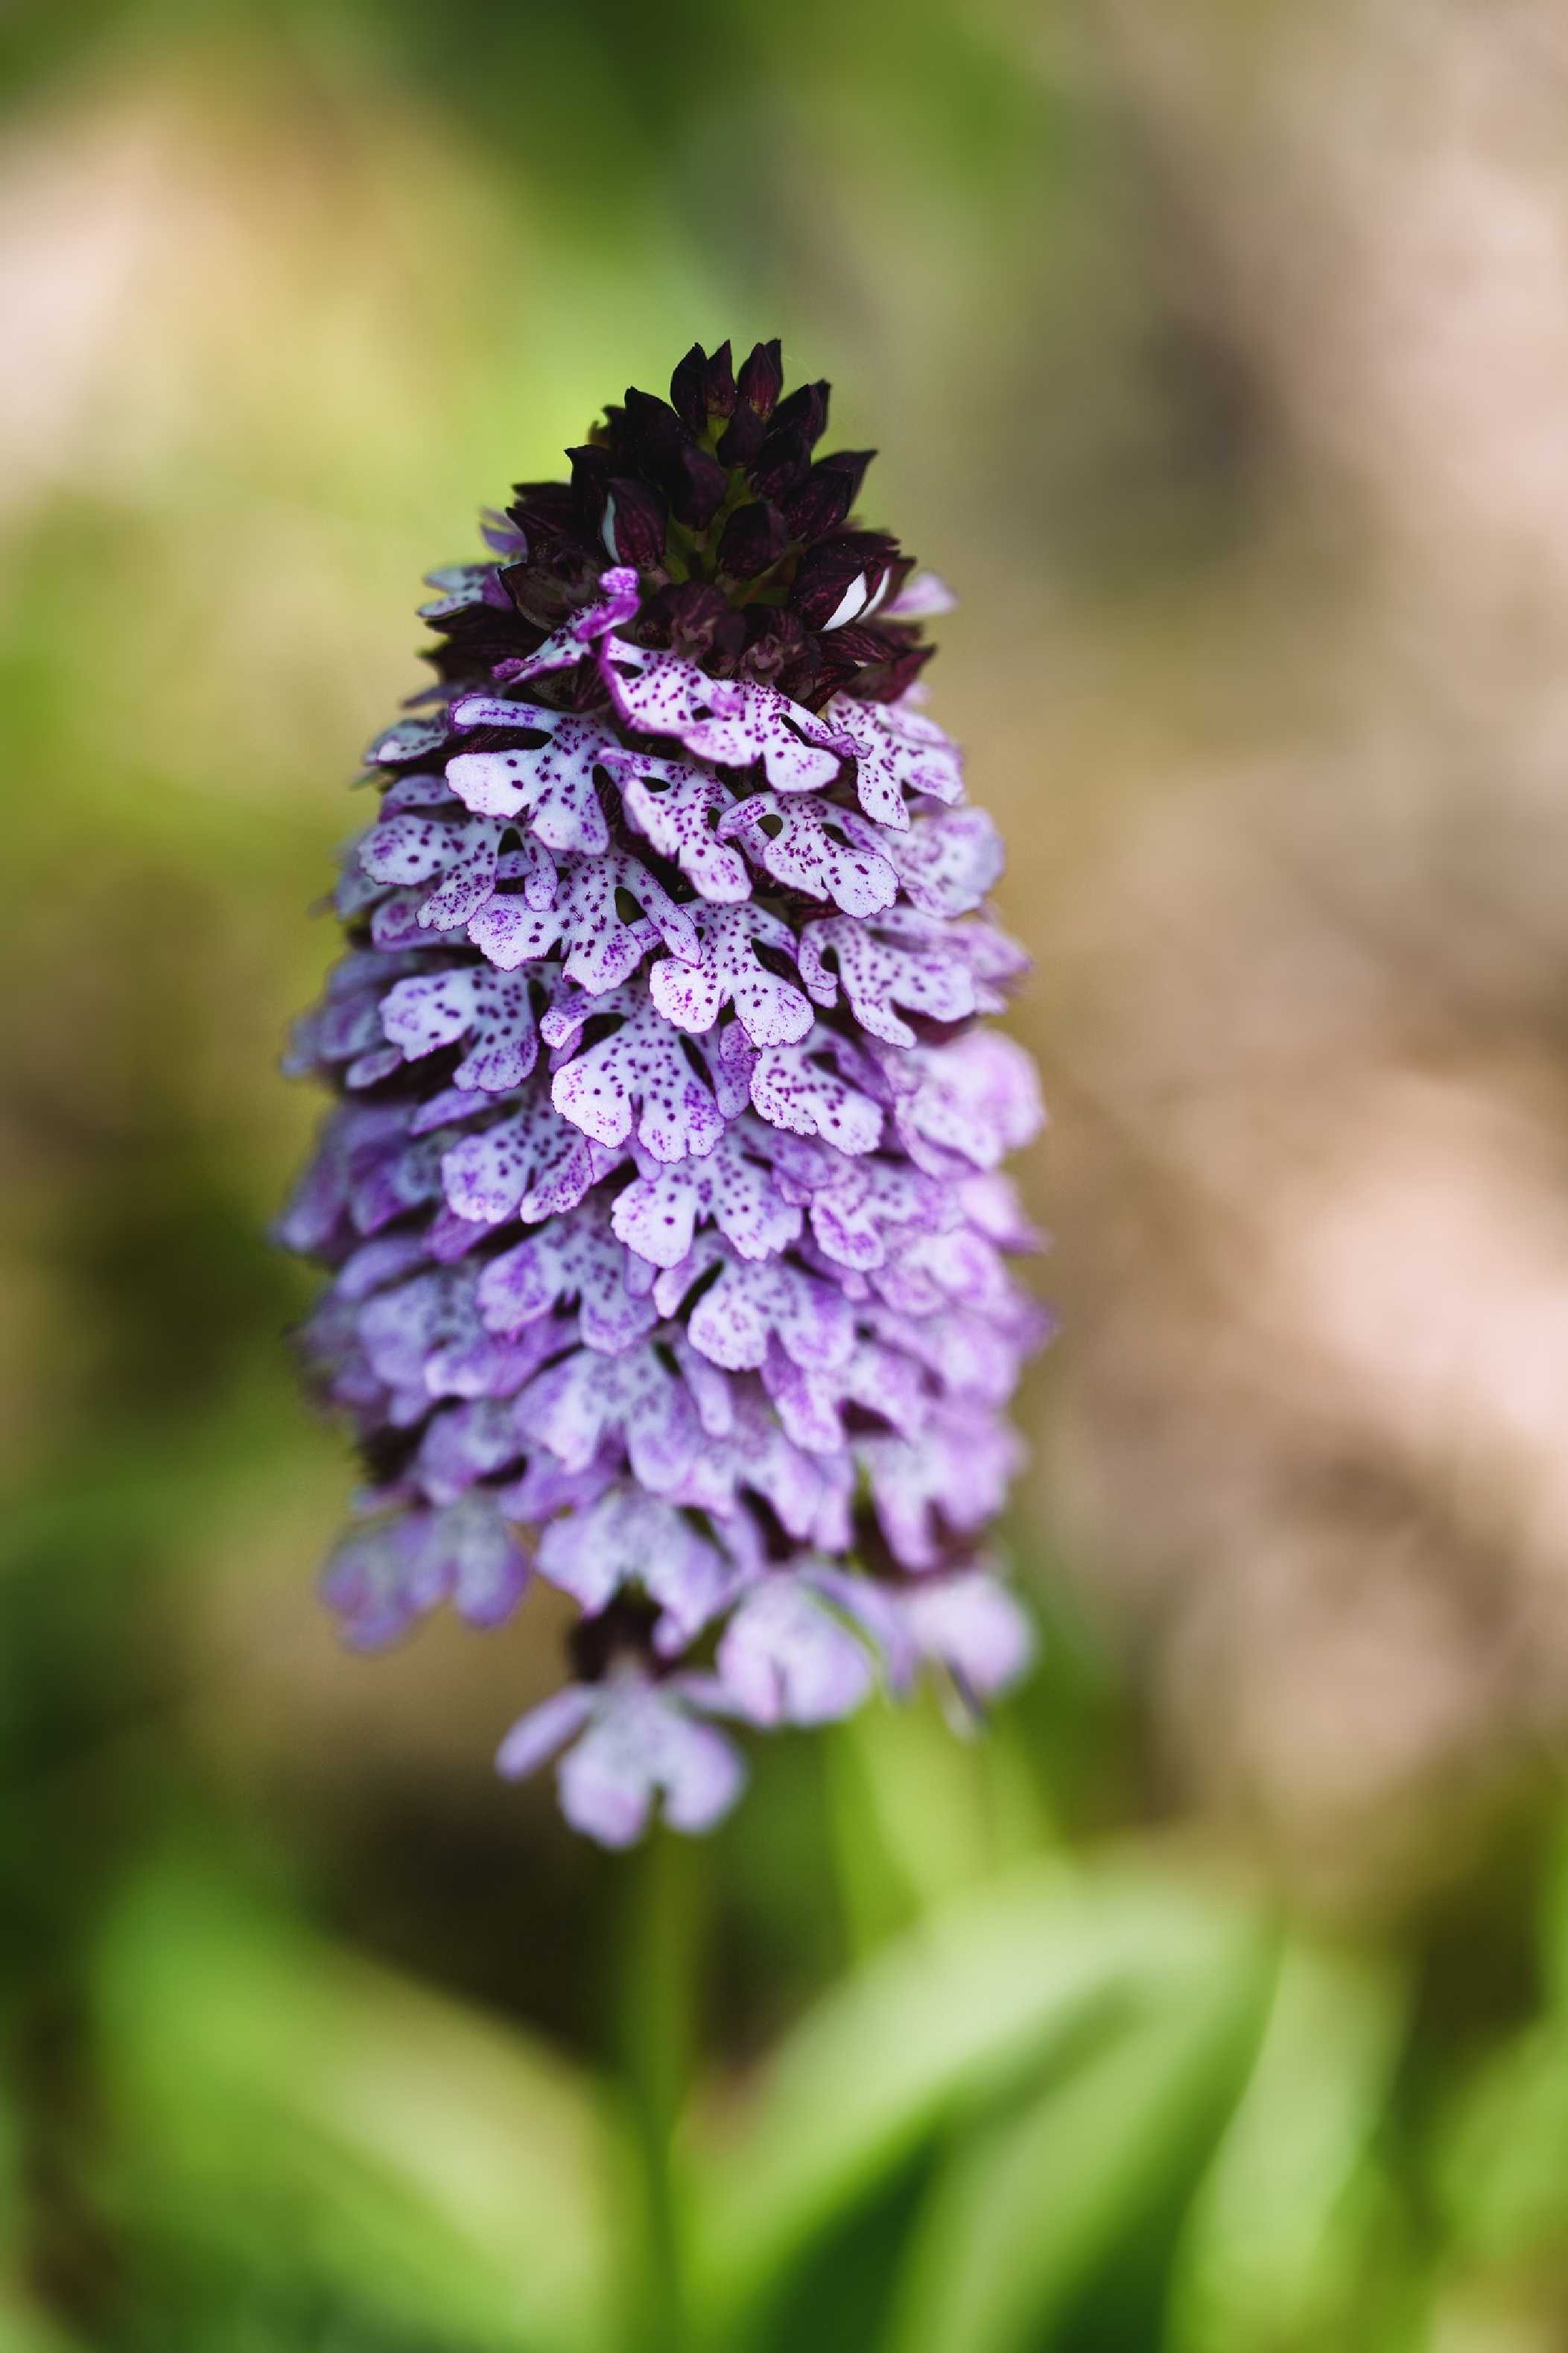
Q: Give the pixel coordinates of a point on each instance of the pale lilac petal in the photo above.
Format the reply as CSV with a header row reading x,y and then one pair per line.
x,y
754,1301
530,1165
639,1745
897,750
551,784
903,958
964,1106
956,1476
733,723
630,1538
948,861
434,1010
813,846
702,1776
639,1080
574,1406
977,1629
459,857
535,1737
599,945
409,739
679,808
801,1088
787,1659
923,597
569,1259
771,1010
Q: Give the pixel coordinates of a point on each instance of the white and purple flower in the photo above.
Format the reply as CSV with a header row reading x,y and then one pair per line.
x,y
669,1251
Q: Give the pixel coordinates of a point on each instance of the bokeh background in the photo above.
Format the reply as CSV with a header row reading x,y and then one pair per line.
x,y
1217,2002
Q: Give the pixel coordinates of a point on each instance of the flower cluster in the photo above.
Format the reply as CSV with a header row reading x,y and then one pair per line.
x,y
661,1200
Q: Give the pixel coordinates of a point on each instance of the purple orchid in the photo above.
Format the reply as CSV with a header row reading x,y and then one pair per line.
x,y
661,1202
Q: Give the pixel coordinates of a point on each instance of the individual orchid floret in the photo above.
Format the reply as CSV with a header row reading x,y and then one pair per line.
x,y
669,1254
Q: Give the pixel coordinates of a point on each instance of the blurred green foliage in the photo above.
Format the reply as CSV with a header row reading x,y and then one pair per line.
x,y
311,2039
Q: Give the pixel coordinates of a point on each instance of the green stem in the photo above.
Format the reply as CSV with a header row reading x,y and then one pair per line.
x,y
659,2020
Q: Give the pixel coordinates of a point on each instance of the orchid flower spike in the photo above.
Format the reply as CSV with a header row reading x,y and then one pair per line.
x,y
660,1199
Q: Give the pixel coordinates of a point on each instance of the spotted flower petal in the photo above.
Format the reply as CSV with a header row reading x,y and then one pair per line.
x,y
727,971
599,944
530,1165
630,1538
816,1089
381,1578
549,784
573,1406
569,1259
460,856
734,725
493,1010
678,806
905,958
815,846
897,750
633,1744
642,1079
786,1658
947,860
754,1302
735,1185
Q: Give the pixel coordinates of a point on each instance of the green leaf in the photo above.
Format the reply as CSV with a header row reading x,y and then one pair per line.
x,y
1030,2206
970,2004
295,2107
920,1813
1501,2153
1275,2251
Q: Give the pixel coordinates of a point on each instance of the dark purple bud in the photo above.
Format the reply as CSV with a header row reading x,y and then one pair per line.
x,y
743,437
657,435
592,466
827,493
545,593
544,511
844,579
703,387
890,678
761,379
634,523
782,464
617,436
697,484
719,383
754,538
686,389
808,407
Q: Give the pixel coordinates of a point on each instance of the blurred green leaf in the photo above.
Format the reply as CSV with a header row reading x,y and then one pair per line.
x,y
1030,2206
1501,2151
919,1814
289,2104
972,2002
1274,2252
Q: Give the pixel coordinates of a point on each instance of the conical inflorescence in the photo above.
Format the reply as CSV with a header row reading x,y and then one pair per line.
x,y
661,1204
